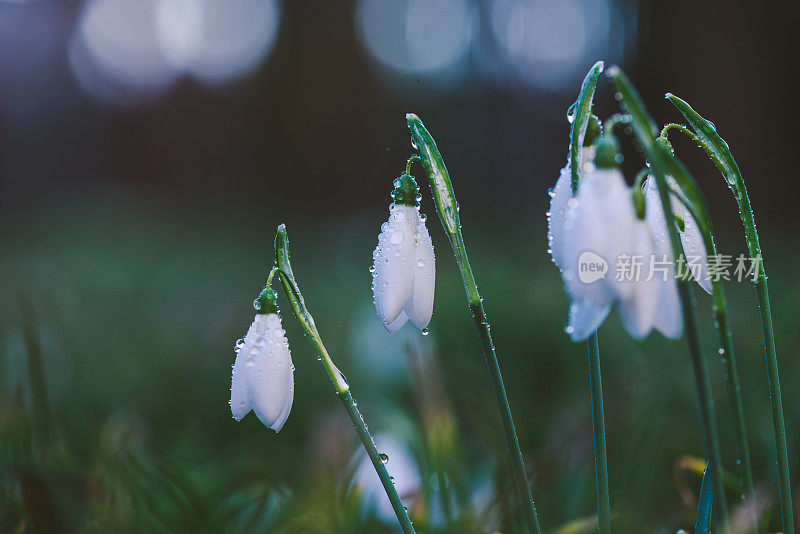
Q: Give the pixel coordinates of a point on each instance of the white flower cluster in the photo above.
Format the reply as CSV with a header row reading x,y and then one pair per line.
x,y
601,219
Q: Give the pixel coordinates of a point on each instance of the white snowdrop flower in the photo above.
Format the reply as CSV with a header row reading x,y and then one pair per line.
x,y
403,272
263,374
591,234
691,238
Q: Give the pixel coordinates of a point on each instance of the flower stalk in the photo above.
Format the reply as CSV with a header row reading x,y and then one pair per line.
x,y
724,334
447,208
581,116
599,430
284,271
662,161
706,136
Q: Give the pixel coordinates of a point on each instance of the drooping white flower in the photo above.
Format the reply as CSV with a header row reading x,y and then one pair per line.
x,y
403,272
604,252
263,374
691,238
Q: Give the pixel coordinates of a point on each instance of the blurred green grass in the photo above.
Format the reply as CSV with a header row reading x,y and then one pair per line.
x,y
135,307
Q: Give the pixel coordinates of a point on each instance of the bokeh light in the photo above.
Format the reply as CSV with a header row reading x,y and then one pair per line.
x,y
417,36
129,51
548,43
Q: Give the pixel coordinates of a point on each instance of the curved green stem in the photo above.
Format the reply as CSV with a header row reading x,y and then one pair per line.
x,y
724,334
717,149
615,120
645,130
284,270
413,159
599,430
447,207
681,128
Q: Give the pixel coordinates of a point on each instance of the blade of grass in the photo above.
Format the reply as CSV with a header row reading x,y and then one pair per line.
x,y
447,207
645,130
709,140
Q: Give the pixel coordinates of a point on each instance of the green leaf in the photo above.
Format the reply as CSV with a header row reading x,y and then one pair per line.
x,y
581,112
441,187
702,524
709,140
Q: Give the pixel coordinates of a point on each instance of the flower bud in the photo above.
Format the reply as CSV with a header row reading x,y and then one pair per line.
x,y
403,272
263,374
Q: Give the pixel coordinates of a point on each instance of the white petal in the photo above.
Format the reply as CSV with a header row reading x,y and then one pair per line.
x,y
287,406
420,308
269,373
669,318
585,318
695,250
393,270
691,239
599,222
557,217
240,405
397,324
638,310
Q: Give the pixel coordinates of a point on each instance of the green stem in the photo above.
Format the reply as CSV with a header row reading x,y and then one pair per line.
x,y
340,385
580,121
645,130
725,336
599,429
719,152
447,207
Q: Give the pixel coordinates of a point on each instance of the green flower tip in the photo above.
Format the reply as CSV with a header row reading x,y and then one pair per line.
x,y
406,191
607,152
664,143
266,302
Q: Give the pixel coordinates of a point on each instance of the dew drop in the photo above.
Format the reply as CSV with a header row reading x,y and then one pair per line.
x,y
384,457
571,112
425,332
239,345
396,238
249,362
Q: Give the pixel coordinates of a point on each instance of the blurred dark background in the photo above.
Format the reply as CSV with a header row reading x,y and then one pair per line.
x,y
148,149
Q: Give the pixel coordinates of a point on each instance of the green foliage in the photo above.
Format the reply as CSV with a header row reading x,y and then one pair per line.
x,y
136,335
